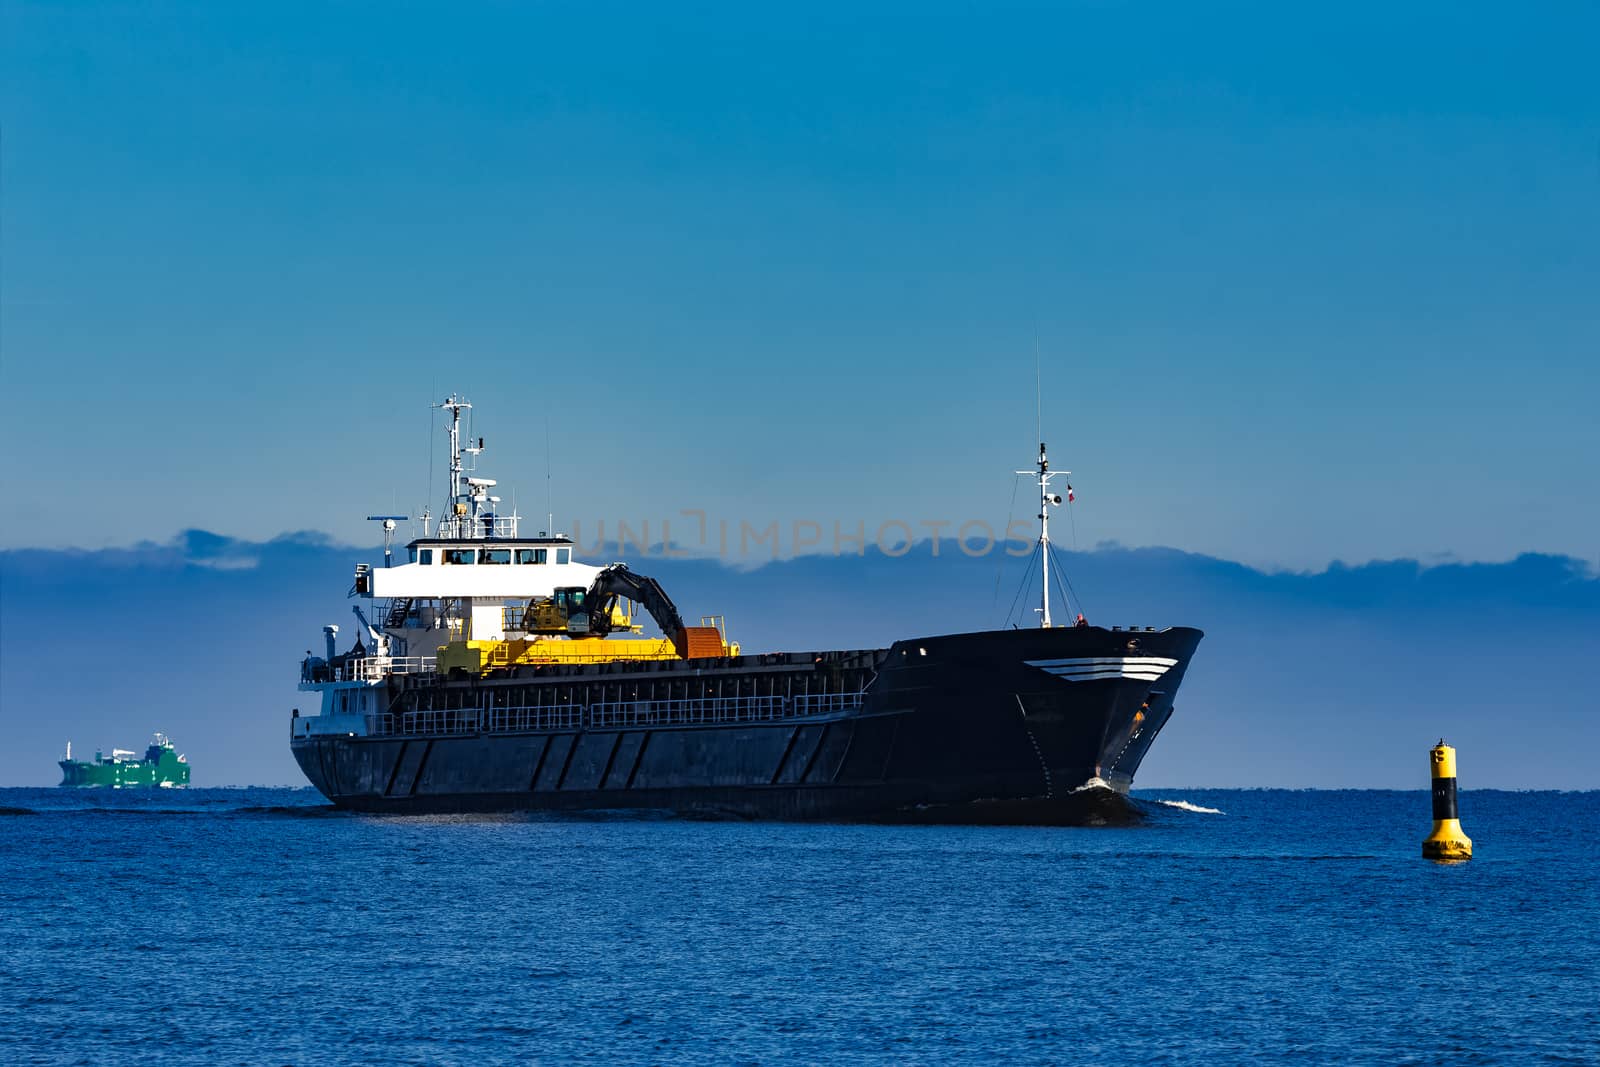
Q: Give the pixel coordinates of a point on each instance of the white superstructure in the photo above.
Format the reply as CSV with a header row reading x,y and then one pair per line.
x,y
469,577
473,571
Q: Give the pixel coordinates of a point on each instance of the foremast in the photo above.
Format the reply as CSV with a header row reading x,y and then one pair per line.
x,y
1047,500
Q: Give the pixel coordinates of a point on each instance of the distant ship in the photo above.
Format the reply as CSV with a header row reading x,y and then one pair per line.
x,y
496,672
162,767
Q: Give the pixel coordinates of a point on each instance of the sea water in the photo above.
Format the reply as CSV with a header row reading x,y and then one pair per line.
x,y
261,927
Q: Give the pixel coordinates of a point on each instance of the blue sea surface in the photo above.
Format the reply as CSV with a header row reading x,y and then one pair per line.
x,y
259,926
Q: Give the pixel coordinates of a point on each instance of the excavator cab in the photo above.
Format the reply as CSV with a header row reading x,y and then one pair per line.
x,y
569,610
569,604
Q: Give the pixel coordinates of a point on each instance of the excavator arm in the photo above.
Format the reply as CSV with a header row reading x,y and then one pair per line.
x,y
618,581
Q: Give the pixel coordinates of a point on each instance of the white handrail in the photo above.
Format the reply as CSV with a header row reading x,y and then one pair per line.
x,y
614,714
467,528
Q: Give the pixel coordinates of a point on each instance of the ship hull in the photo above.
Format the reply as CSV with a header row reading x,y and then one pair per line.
x,y
1001,726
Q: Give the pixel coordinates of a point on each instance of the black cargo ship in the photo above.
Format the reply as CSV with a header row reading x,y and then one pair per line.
x,y
531,702
1007,724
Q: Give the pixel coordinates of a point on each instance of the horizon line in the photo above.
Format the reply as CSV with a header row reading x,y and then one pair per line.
x,y
677,551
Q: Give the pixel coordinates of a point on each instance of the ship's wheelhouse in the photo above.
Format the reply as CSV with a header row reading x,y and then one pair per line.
x,y
501,568
540,554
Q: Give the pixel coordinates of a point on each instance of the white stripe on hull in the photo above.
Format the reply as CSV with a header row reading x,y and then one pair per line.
x,y
1097,668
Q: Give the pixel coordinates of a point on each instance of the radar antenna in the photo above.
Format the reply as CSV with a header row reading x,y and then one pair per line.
x,y
389,522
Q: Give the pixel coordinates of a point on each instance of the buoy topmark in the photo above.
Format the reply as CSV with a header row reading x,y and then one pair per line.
x,y
1447,842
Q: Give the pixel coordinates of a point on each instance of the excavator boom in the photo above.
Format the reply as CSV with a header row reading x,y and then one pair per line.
x,y
618,581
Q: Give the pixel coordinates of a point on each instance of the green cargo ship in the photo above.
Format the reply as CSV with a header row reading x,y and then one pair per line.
x,y
161,767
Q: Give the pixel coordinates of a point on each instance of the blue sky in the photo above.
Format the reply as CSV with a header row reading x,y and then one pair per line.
x,y
1306,285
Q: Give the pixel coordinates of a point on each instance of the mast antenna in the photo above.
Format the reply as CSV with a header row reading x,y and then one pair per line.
x,y
1047,499
427,505
455,404
1038,391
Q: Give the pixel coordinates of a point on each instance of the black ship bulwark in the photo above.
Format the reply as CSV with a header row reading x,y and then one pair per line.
x,y
496,672
1004,725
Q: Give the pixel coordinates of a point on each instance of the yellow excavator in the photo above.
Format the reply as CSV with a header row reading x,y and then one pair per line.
x,y
573,624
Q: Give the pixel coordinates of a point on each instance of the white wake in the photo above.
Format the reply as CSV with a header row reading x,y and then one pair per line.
x,y
1184,805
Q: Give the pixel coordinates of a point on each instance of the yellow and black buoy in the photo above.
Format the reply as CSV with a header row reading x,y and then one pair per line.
x,y
1447,842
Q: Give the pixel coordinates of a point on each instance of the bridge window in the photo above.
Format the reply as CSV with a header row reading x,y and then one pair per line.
x,y
495,555
425,557
459,555
563,555
531,555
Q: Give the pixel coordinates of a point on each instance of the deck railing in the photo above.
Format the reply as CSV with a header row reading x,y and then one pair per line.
x,y
466,528
621,714
693,710
367,669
